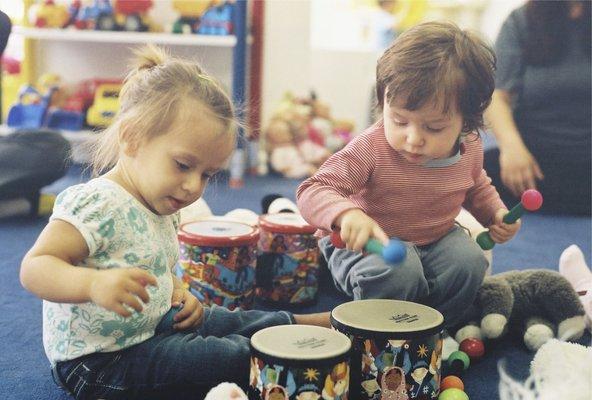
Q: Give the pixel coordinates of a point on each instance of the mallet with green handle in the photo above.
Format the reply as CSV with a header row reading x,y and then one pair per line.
x,y
531,200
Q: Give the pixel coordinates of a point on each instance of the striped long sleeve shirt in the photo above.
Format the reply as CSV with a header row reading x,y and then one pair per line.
x,y
412,202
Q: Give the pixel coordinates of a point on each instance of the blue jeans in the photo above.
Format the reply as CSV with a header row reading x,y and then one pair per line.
x,y
444,275
172,364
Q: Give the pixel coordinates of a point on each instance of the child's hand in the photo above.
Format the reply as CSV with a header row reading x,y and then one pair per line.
x,y
501,232
116,288
191,314
357,228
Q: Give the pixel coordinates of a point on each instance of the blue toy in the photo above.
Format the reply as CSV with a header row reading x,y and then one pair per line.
x,y
217,20
394,252
30,110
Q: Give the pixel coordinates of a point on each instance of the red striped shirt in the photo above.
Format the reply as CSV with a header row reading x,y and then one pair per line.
x,y
412,202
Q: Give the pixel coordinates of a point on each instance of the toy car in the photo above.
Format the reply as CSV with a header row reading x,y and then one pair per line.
x,y
105,105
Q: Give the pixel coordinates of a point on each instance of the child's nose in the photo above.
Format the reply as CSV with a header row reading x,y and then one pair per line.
x,y
414,137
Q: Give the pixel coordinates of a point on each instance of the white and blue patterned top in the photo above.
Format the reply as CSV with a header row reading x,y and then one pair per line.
x,y
120,233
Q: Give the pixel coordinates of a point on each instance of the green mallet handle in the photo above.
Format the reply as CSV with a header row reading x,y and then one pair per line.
x,y
374,246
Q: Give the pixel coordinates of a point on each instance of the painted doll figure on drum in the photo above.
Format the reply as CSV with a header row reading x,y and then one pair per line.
x,y
409,174
103,264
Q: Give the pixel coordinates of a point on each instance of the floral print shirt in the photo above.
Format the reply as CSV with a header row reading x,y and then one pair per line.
x,y
120,233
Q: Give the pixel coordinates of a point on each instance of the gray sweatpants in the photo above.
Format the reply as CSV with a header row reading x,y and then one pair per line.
x,y
444,275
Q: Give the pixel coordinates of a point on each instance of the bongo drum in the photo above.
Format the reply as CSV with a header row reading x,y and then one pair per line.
x,y
217,261
287,266
396,348
299,362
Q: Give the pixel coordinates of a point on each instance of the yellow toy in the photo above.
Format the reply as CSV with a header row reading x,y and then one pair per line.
x,y
190,12
49,15
105,105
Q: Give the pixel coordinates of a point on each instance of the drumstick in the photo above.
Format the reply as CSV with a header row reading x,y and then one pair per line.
x,y
531,200
394,252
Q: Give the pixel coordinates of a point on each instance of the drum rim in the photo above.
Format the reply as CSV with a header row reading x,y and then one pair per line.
x,y
334,336
277,228
385,334
218,241
301,362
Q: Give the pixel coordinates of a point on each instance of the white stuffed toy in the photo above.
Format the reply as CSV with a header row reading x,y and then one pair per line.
x,y
572,265
226,391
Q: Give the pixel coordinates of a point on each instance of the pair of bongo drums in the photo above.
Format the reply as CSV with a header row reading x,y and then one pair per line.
x,y
228,263
378,350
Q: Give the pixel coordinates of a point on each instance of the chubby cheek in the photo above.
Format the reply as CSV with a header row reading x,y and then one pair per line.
x,y
393,138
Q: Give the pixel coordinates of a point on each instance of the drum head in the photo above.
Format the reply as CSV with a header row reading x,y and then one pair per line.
x,y
285,223
391,319
300,343
218,233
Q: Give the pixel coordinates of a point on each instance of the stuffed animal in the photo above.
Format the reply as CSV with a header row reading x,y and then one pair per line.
x,y
572,265
538,304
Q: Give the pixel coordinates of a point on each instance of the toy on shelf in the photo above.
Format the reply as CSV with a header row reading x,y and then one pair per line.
x,y
30,109
105,105
394,252
49,15
533,303
217,20
190,12
531,200
127,15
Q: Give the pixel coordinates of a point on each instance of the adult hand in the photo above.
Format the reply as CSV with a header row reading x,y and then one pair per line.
x,y
191,314
519,170
499,231
116,288
357,228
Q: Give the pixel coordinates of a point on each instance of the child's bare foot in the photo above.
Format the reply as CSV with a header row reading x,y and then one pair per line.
x,y
318,319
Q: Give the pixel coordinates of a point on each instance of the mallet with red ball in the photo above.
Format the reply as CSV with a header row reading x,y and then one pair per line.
x,y
394,252
531,200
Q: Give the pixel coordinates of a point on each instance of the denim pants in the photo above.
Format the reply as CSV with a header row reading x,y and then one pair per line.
x,y
444,275
172,365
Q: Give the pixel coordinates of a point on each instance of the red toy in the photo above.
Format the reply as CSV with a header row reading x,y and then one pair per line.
x,y
473,347
452,381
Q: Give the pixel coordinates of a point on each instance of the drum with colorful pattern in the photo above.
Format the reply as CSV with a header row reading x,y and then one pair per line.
x,y
217,262
287,267
396,348
299,362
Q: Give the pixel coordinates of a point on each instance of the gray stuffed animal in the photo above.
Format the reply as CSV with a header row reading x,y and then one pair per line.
x,y
538,304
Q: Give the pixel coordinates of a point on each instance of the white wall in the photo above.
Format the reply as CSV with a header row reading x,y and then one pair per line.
x,y
340,77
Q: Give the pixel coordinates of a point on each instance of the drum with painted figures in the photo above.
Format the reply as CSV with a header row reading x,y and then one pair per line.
x,y
297,362
287,266
217,262
396,348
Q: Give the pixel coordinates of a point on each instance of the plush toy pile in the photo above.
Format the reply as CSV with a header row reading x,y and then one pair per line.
x,y
301,135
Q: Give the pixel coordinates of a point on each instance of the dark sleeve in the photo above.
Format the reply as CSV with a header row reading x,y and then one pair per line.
x,y
5,28
508,48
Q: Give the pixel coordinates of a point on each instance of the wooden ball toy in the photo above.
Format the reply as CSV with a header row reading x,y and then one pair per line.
x,y
473,347
453,394
394,252
458,361
452,381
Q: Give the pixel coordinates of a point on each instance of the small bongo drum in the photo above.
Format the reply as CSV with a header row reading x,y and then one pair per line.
x,y
299,362
287,267
396,348
217,262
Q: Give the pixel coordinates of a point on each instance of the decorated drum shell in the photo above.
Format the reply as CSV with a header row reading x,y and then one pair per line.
x,y
396,348
217,262
288,263
298,362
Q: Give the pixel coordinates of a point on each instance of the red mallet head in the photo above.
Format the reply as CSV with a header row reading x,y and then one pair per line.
x,y
336,240
473,347
531,200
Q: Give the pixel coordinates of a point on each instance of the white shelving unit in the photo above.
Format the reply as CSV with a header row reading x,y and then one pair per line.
x,y
74,35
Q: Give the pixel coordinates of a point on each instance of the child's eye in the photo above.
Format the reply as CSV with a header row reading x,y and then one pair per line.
x,y
181,166
434,130
399,123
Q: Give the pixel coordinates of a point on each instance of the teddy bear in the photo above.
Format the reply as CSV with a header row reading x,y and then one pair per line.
x,y
538,304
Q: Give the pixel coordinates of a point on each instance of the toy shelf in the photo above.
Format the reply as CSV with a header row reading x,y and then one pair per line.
x,y
73,35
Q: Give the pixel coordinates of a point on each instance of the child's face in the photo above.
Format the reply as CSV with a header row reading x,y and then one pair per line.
x,y
423,134
171,171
